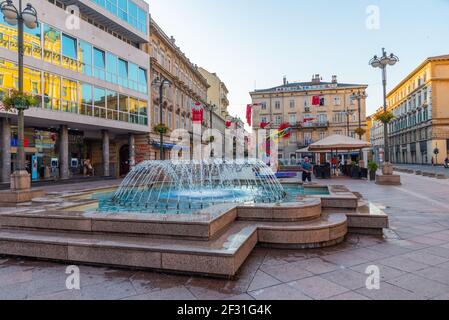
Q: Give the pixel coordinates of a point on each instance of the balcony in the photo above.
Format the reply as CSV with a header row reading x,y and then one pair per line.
x,y
311,125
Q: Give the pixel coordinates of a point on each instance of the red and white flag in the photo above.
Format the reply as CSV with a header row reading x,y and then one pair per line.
x,y
197,112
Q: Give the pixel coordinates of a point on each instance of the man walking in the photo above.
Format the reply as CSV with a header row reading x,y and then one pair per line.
x,y
307,169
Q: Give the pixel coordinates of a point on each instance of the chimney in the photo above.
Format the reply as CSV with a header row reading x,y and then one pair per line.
x,y
334,79
285,80
172,39
316,79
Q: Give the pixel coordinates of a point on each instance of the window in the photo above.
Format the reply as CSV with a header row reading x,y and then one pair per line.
x,y
337,101
69,47
112,104
99,102
143,112
123,73
143,82
52,45
292,104
111,68
264,106
86,99
70,96
99,64
156,115
123,108
52,91
277,105
292,119
133,110
85,56
133,76
322,135
278,119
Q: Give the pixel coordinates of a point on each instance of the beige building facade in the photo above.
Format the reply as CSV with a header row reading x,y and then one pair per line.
x,y
419,134
314,110
187,87
217,94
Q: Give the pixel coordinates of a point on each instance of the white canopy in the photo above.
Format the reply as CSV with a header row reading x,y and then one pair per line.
x,y
336,142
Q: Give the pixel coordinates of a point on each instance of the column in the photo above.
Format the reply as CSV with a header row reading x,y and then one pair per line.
x,y
132,151
105,138
5,148
63,152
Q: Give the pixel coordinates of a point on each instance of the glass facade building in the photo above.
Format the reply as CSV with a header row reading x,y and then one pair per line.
x,y
127,11
77,55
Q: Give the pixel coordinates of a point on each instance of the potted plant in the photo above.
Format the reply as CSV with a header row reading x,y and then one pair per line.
x,y
373,167
385,117
360,132
19,101
161,128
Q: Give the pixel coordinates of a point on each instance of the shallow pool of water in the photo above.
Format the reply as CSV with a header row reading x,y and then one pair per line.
x,y
191,202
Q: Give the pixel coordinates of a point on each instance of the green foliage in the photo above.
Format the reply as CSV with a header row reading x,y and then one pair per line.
x,y
372,166
385,117
19,101
161,128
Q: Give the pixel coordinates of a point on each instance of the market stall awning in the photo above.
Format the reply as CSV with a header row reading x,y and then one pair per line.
x,y
336,142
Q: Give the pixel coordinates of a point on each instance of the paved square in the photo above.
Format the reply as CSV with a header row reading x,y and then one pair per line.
x,y
413,259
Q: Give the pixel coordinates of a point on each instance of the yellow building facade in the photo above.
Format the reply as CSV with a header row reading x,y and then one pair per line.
x,y
419,134
332,112
217,93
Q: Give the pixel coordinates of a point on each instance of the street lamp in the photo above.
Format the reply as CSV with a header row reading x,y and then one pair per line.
x,y
348,113
382,63
359,96
18,16
161,84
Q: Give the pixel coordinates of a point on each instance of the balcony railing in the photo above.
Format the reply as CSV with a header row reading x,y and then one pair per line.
x,y
311,124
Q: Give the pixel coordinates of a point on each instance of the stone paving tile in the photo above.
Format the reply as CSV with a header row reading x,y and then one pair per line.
x,y
262,280
403,264
437,251
389,292
279,292
317,266
287,272
424,257
318,288
386,272
428,240
144,282
175,293
348,296
346,259
347,278
216,289
419,285
434,273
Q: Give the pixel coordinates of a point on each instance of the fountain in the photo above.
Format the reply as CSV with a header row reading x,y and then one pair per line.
x,y
186,186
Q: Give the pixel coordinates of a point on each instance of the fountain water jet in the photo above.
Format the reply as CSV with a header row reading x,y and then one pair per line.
x,y
177,186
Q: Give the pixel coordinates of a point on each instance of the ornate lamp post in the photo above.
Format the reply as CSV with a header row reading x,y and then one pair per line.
x,y
348,113
382,63
359,96
20,17
161,84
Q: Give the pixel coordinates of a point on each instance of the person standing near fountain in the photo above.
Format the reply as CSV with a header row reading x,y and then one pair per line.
x,y
307,169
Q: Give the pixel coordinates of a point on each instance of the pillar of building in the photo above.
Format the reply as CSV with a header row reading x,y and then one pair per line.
x,y
132,150
5,147
105,138
64,152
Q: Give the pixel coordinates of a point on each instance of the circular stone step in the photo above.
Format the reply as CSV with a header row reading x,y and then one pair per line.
x,y
306,209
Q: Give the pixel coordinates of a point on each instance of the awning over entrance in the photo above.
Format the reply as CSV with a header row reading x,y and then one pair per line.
x,y
336,142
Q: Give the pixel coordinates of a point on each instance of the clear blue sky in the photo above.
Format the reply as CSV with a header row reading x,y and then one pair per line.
x,y
256,42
